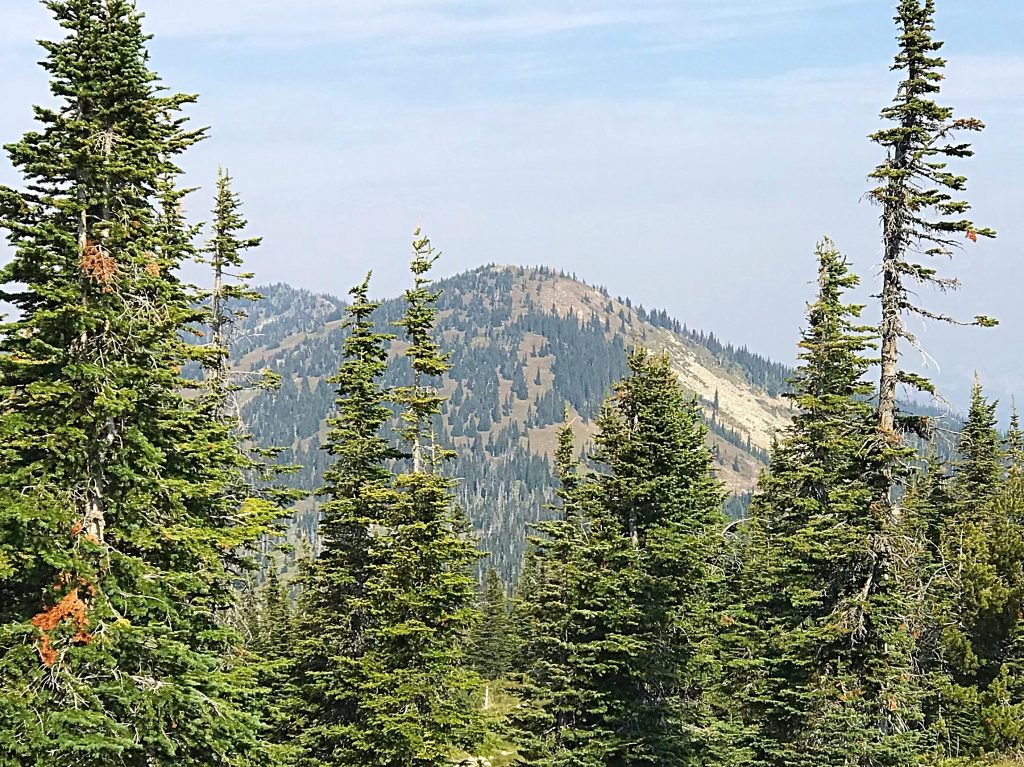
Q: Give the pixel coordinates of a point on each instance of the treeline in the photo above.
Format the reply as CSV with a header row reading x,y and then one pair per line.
x,y
868,611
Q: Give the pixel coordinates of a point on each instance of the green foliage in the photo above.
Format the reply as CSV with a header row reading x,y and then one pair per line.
x,y
493,641
267,622
918,194
827,665
388,605
619,596
120,526
971,590
225,255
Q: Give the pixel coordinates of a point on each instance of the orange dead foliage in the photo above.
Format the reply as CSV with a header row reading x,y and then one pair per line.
x,y
71,607
152,265
98,265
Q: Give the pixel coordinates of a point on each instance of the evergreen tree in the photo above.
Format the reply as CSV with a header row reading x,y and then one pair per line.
x,y
918,196
979,472
1002,713
568,602
830,677
1014,442
620,650
656,481
970,579
333,621
272,649
390,601
225,255
417,698
120,535
492,642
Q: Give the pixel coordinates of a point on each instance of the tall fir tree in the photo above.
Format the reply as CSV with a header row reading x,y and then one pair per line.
x,y
418,695
655,478
569,606
333,620
625,669
121,542
225,253
830,678
918,194
386,681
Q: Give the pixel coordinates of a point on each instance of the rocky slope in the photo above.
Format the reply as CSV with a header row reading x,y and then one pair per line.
x,y
526,343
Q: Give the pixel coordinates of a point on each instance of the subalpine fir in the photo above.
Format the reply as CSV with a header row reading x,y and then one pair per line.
x,y
831,677
383,675
970,585
493,641
225,254
923,210
622,593
119,541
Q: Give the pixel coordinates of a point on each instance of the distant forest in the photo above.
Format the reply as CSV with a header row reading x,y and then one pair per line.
x,y
504,519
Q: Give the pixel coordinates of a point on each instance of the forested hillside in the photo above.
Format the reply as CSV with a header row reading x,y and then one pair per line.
x,y
514,490
526,344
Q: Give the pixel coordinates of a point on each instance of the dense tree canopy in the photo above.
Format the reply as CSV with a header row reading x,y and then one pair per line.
x,y
868,611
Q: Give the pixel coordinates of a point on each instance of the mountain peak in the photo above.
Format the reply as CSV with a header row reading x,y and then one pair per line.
x,y
526,342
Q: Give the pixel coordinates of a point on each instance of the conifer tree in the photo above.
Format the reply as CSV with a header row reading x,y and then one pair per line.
x,y
656,480
979,472
1014,442
1002,712
417,697
389,602
272,650
492,642
918,194
569,604
225,255
972,580
832,679
333,621
121,539
623,670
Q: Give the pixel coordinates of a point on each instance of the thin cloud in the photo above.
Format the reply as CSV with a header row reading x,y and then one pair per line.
x,y
426,23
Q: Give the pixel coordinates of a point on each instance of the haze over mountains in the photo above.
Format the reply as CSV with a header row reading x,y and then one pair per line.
x,y
527,344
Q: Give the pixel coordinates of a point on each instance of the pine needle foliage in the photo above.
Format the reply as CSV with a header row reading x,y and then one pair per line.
x,y
621,664
831,678
923,213
225,254
333,618
493,640
971,592
120,535
389,603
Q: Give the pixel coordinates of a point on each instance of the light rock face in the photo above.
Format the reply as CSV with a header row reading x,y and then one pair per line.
x,y
526,342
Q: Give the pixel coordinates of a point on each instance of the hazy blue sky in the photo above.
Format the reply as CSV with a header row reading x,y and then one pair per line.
x,y
687,153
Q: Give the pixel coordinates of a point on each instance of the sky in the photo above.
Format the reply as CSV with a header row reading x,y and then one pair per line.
x,y
685,153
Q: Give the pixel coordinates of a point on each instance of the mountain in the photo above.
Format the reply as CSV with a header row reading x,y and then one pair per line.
x,y
525,344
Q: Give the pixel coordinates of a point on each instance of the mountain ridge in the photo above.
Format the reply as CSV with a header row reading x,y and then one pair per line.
x,y
525,342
